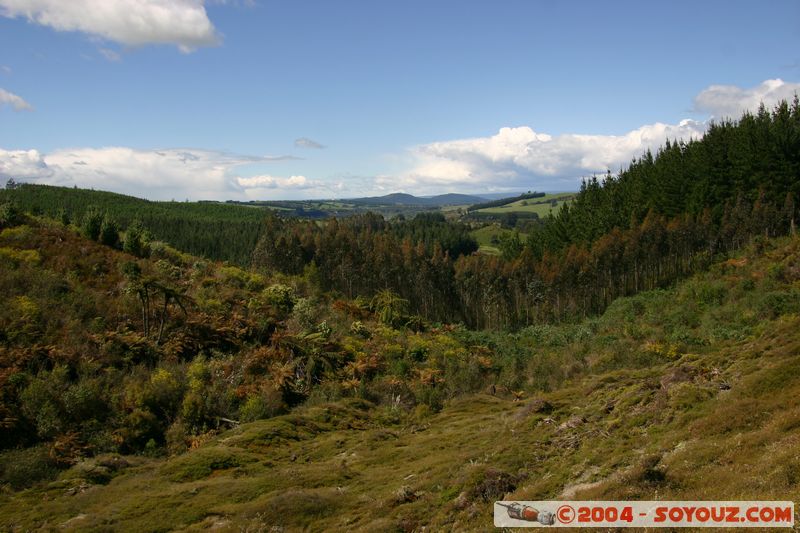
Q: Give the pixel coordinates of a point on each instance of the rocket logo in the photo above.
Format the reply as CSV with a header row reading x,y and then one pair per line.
x,y
527,513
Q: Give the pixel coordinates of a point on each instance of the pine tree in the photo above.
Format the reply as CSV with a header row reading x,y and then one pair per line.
x,y
92,224
109,232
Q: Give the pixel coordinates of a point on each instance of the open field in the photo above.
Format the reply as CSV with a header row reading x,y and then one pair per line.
x,y
541,206
488,237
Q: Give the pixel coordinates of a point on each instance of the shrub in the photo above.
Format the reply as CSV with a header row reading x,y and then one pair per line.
x,y
358,328
92,224
23,468
545,335
709,293
136,240
776,303
109,232
137,429
177,438
264,404
84,401
194,410
18,257
163,394
281,297
9,215
306,312
40,402
492,484
63,217
466,374
433,397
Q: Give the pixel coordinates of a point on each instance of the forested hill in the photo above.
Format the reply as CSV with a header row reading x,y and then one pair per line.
x,y
664,217
667,215
209,229
737,166
143,388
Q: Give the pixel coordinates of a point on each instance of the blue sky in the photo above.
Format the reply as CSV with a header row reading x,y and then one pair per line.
x,y
212,100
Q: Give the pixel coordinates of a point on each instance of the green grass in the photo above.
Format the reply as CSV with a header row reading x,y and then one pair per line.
x,y
541,206
488,236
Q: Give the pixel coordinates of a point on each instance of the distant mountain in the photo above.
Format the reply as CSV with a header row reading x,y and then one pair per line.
x,y
399,198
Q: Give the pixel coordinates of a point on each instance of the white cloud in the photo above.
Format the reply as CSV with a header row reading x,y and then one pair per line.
x,y
27,164
154,174
731,101
272,182
110,55
305,142
183,23
6,69
513,158
521,157
274,187
7,98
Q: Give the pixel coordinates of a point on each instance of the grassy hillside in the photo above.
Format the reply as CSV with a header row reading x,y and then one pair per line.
x,y
550,203
686,393
488,237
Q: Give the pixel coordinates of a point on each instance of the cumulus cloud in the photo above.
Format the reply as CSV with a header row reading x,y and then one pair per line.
x,y
520,156
29,164
266,186
272,182
730,101
305,142
154,174
16,102
183,23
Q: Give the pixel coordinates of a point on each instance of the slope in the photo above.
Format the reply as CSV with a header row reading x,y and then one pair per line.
x,y
686,393
211,229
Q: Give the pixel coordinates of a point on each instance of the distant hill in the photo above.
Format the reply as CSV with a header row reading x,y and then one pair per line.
x,y
211,229
504,201
399,198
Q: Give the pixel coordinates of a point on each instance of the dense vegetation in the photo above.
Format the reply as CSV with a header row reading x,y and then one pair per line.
x,y
663,218
103,350
257,405
736,167
210,229
228,395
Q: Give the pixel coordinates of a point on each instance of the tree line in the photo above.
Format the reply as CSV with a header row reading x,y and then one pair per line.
x,y
505,201
660,219
209,229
